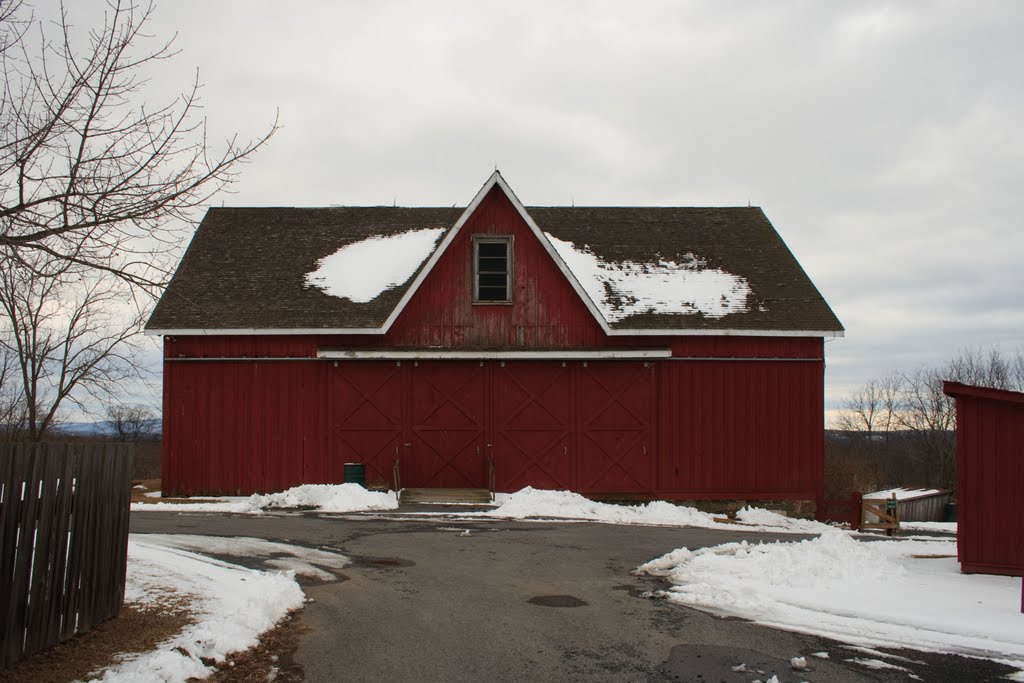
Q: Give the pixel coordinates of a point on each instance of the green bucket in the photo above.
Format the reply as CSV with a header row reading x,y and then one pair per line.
x,y
355,473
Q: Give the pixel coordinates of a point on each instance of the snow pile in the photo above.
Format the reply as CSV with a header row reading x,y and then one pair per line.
x,y
531,502
326,498
232,606
363,270
894,593
537,503
323,497
624,288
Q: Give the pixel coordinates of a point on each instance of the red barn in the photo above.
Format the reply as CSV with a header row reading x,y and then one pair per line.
x,y
646,352
990,479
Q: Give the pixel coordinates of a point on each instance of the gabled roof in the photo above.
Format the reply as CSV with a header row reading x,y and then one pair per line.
x,y
246,270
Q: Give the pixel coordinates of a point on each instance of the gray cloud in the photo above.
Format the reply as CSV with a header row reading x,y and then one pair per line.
x,y
881,138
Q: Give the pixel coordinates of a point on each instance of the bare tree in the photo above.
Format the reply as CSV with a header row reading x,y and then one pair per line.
x,y
70,336
12,406
1017,370
89,174
982,368
130,423
917,419
928,417
872,408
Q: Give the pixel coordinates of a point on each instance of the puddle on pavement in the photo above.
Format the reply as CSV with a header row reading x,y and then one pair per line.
x,y
556,601
381,562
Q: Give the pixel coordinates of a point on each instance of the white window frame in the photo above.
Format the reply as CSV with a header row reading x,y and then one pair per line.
x,y
492,239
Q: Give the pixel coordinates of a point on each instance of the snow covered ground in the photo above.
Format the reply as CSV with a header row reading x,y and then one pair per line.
x,y
231,605
897,593
903,593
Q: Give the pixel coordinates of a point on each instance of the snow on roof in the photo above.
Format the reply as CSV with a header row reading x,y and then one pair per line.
x,y
363,270
624,288
904,494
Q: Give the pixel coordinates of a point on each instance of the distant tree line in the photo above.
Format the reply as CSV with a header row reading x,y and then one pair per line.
x,y
899,429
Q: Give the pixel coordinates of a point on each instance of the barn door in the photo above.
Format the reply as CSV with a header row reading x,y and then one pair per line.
x,y
366,410
532,425
616,402
447,424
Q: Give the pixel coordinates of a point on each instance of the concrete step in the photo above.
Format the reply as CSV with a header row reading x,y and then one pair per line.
x,y
445,496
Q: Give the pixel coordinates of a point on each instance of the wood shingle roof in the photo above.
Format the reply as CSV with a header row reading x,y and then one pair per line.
x,y
245,268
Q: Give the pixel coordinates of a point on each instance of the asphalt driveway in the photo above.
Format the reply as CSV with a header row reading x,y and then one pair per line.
x,y
517,601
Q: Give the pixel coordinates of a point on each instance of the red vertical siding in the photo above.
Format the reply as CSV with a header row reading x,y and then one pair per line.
x,y
545,313
364,418
990,473
240,346
533,410
674,429
616,427
741,429
240,427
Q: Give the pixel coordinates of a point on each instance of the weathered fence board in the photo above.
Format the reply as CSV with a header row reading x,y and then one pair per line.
x,y
846,510
63,541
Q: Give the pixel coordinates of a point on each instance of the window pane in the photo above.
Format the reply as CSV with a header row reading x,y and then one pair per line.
x,y
496,249
493,294
493,265
492,280
492,269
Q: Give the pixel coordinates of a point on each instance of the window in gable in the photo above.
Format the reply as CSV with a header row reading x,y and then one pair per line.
x,y
492,269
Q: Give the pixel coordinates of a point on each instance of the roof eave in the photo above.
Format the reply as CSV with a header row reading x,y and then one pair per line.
x,y
196,332
253,331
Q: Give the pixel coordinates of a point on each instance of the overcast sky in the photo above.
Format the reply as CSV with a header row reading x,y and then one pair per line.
x,y
883,140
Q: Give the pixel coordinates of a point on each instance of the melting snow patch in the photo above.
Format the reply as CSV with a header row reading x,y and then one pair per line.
x,y
624,288
363,270
284,556
867,593
232,606
876,664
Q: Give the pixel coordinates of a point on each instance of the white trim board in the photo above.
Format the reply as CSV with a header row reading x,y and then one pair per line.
x,y
386,354
243,332
252,331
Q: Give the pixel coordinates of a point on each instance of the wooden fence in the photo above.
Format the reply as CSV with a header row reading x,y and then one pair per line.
x,y
881,513
846,510
63,541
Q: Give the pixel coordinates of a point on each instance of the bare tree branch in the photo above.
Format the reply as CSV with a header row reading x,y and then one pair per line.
x,y
89,175
131,423
71,337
